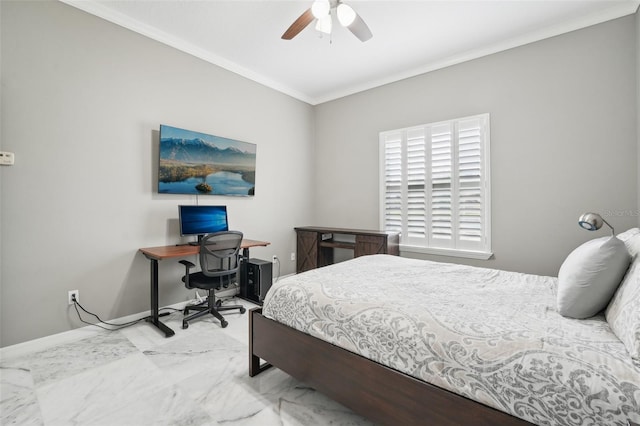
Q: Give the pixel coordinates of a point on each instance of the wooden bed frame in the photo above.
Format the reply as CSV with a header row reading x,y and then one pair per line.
x,y
377,392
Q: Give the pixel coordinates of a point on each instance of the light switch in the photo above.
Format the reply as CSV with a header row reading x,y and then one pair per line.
x,y
7,158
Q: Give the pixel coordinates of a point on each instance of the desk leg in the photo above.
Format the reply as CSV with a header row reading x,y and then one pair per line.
x,y
243,274
168,332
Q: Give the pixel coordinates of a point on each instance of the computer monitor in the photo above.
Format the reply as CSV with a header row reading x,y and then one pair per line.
x,y
201,220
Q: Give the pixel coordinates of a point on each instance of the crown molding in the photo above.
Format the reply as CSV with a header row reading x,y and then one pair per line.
x,y
93,8
153,33
619,11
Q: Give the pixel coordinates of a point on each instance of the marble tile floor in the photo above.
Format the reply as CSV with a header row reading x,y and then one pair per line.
x,y
136,376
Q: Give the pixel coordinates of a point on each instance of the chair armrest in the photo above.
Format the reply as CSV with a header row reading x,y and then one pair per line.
x,y
187,265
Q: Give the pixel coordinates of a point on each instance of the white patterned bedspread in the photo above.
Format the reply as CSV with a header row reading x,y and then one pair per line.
x,y
490,335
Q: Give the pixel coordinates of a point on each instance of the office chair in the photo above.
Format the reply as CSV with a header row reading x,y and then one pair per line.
x,y
219,263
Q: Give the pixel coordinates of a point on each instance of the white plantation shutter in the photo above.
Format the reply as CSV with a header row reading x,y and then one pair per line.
x,y
441,208
435,185
471,186
415,178
393,183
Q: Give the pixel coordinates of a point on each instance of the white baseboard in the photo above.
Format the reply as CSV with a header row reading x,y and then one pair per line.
x,y
71,335
89,330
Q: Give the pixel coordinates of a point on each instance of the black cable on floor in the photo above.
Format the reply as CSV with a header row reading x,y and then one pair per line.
x,y
77,304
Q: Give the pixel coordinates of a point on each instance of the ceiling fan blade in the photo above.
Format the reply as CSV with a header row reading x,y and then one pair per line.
x,y
298,25
360,29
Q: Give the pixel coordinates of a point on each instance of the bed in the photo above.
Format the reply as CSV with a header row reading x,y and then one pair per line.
x,y
405,341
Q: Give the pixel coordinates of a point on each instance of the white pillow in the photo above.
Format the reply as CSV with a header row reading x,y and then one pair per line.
x,y
631,240
590,275
628,234
623,312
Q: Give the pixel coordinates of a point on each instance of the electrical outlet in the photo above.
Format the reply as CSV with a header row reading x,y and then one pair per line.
x,y
274,258
293,256
73,293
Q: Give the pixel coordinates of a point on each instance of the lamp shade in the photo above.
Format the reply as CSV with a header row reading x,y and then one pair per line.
x,y
591,221
346,15
324,24
320,8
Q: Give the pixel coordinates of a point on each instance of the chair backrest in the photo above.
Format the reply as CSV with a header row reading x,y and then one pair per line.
x,y
220,253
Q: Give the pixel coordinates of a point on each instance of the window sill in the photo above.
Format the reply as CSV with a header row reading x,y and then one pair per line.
x,y
481,255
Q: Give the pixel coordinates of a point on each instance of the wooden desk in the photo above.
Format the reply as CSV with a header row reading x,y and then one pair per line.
x,y
315,244
155,254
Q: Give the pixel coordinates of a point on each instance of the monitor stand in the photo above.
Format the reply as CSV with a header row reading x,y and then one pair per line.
x,y
196,243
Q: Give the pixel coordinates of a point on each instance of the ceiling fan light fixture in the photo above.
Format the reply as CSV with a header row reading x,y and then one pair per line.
x,y
322,11
346,14
320,8
324,24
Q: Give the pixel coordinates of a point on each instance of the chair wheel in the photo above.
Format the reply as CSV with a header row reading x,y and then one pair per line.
x,y
223,323
243,310
218,303
185,325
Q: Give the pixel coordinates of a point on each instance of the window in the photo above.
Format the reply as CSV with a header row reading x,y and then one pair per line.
x,y
434,187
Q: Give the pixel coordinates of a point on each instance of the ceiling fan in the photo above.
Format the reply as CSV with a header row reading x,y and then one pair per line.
x,y
322,10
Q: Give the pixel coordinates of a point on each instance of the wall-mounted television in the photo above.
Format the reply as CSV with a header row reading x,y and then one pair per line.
x,y
201,220
196,163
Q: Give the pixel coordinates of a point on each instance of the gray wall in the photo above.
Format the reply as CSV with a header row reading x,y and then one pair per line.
x,y
82,100
563,141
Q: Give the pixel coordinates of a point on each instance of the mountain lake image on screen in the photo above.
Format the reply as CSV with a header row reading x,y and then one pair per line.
x,y
196,163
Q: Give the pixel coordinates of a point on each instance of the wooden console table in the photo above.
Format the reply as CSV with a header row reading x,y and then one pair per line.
x,y
314,244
